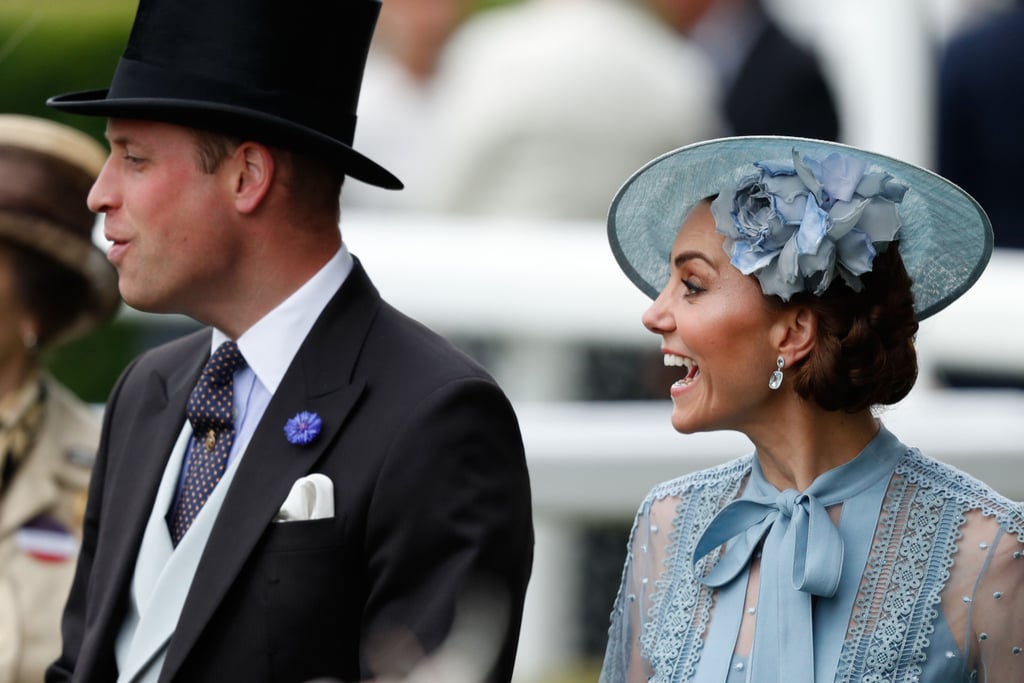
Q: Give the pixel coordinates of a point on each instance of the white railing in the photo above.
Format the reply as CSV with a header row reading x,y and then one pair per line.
x,y
553,286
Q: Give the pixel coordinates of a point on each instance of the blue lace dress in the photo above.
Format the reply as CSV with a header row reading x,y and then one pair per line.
x,y
893,568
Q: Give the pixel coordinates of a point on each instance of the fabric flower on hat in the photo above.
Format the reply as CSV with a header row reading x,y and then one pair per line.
x,y
795,226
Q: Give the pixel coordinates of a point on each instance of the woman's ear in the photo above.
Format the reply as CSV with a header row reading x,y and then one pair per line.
x,y
254,170
796,333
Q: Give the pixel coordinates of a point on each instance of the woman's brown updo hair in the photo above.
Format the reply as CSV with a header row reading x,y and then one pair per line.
x,y
864,354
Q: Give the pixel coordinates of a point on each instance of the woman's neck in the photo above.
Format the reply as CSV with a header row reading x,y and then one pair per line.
x,y
808,442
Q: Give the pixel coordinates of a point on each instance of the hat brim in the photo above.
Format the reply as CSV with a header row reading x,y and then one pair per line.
x,y
52,139
78,256
235,121
945,239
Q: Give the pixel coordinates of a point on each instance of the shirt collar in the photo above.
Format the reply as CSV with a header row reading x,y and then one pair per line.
x,y
270,345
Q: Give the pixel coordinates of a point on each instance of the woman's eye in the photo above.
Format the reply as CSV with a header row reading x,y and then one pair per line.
x,y
691,288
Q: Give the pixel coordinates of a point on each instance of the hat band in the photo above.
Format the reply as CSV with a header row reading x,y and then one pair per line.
x,y
135,80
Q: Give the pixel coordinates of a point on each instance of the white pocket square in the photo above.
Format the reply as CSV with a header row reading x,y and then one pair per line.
x,y
311,497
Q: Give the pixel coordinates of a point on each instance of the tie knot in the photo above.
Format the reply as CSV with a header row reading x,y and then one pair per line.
x,y
211,402
787,500
221,367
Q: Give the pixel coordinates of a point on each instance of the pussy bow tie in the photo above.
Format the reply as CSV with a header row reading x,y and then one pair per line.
x,y
816,555
801,556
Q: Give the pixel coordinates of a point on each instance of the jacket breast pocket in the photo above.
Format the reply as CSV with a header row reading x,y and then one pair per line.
x,y
299,536
312,595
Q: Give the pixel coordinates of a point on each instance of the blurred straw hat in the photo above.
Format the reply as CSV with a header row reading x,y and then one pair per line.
x,y
46,170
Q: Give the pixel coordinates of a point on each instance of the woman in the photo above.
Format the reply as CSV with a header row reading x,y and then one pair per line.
x,y
789,300
54,286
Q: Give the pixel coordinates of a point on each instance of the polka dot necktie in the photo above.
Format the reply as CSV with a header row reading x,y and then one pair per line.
x,y
209,410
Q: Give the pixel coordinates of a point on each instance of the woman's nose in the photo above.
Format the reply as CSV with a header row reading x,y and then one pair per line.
x,y
657,318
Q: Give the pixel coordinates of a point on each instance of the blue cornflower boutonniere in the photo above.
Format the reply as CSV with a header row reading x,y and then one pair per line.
x,y
303,428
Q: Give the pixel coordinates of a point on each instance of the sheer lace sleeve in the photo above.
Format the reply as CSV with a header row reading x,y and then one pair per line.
x,y
624,662
984,599
996,623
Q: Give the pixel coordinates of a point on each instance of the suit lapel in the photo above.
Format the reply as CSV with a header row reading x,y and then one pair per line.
x,y
157,423
318,380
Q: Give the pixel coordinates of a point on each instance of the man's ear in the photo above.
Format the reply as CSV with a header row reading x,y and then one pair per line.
x,y
796,333
254,171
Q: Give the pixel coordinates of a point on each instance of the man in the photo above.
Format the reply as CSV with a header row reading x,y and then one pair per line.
x,y
351,476
771,85
597,89
979,116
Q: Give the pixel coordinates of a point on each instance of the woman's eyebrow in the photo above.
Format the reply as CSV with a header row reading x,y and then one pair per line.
x,y
684,256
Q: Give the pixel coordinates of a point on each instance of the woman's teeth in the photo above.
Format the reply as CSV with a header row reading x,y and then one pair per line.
x,y
672,360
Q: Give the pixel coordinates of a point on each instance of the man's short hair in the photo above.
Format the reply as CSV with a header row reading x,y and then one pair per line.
x,y
313,183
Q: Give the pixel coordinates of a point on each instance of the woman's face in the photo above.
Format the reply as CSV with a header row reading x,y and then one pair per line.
x,y
716,328
14,321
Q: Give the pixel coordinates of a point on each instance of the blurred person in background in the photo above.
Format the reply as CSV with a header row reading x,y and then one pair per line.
x,y
771,84
547,104
55,285
397,108
788,277
980,109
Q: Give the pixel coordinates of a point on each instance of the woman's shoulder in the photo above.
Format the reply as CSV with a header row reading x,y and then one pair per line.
x,y
963,489
66,445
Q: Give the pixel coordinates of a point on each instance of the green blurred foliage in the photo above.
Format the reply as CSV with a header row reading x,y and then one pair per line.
x,y
48,47
89,366
583,671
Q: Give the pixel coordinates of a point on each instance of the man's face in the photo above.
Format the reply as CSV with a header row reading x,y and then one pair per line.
x,y
682,15
174,241
416,31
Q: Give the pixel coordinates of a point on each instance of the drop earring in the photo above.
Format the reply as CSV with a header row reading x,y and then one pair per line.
x,y
775,381
29,339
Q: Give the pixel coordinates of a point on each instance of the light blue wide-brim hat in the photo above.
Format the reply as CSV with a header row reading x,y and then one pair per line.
x,y
945,239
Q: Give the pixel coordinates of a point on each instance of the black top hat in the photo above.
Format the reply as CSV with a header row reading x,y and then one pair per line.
x,y
283,73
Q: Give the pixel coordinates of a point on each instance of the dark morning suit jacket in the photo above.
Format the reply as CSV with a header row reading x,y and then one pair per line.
x,y
981,108
431,494
780,90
